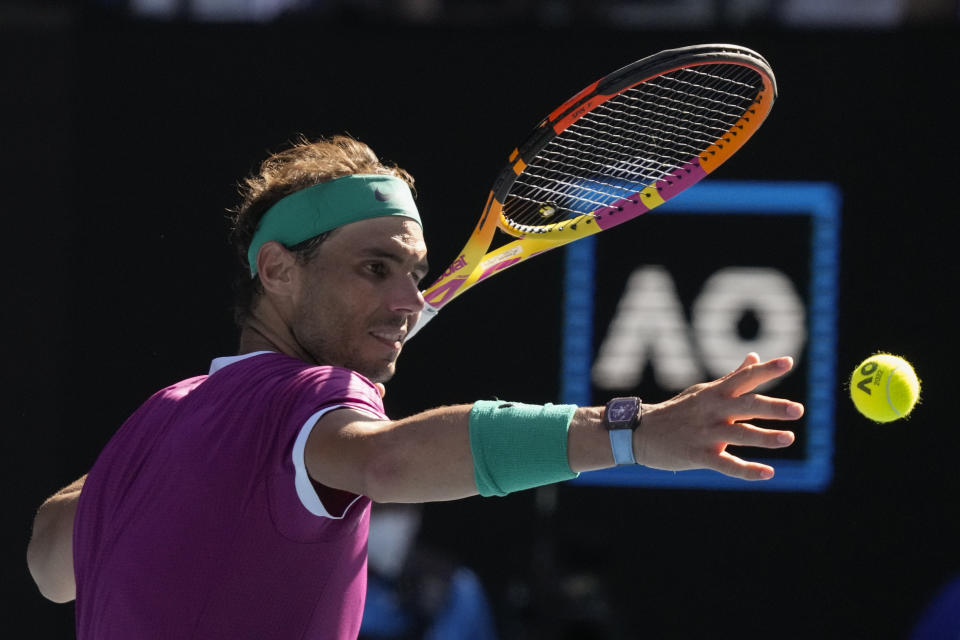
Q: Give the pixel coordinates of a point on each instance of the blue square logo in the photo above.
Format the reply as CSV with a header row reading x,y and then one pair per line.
x,y
681,295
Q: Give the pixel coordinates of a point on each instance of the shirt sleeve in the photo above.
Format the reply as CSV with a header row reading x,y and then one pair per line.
x,y
318,499
334,388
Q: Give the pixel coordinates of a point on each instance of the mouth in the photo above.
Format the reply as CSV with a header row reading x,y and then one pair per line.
x,y
391,337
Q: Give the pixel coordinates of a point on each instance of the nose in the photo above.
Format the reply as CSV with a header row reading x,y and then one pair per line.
x,y
408,298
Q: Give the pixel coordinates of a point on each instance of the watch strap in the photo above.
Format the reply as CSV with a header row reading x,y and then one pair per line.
x,y
621,442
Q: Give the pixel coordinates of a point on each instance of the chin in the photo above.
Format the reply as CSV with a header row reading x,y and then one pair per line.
x,y
377,373
384,376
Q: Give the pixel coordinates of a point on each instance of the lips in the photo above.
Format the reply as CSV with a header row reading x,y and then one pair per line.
x,y
391,336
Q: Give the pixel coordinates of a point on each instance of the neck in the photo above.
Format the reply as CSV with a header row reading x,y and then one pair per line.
x,y
265,330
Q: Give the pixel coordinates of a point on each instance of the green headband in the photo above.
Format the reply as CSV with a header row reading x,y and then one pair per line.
x,y
328,205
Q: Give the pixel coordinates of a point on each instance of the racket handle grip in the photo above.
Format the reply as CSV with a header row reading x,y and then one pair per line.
x,y
425,316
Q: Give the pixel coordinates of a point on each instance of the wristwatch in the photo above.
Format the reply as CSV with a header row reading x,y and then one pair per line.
x,y
621,417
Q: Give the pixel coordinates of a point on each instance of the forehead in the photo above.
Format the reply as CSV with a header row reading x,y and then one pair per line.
x,y
394,234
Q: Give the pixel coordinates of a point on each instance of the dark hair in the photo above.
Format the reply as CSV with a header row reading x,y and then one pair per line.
x,y
304,164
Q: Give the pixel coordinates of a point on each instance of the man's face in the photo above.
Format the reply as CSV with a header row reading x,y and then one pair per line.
x,y
360,295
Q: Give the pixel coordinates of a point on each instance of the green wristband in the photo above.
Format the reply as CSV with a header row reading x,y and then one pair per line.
x,y
519,446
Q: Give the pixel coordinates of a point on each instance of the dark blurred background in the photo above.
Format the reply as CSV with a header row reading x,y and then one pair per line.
x,y
126,126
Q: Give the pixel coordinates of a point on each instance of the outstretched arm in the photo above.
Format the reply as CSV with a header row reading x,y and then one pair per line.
x,y
427,457
50,551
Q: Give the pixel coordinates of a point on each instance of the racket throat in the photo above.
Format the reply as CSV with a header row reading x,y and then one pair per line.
x,y
426,316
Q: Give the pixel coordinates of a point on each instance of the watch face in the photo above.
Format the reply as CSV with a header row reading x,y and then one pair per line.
x,y
622,411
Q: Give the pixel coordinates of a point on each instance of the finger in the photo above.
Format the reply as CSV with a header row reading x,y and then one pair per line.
x,y
729,464
382,389
748,435
752,376
756,406
752,358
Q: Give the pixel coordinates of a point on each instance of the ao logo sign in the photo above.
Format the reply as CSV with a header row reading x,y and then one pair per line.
x,y
650,323
682,296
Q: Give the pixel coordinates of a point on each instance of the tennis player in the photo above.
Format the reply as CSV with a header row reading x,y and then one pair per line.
x,y
236,504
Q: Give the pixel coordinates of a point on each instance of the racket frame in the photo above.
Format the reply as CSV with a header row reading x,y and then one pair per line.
x,y
474,264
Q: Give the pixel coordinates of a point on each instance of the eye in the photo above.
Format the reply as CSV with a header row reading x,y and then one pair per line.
x,y
377,268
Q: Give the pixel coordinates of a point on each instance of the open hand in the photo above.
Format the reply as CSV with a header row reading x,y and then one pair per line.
x,y
692,430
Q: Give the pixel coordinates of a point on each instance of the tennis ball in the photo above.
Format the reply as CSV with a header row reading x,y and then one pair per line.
x,y
884,387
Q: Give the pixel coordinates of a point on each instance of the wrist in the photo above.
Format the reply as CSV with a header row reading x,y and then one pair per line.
x,y
652,418
635,441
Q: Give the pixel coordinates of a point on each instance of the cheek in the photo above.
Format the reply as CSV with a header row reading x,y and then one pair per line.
x,y
337,315
317,315
338,305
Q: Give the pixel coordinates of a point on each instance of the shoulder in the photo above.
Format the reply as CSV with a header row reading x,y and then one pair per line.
x,y
265,366
339,384
290,379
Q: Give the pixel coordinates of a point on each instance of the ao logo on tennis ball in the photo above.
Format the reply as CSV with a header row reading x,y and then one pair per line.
x,y
650,325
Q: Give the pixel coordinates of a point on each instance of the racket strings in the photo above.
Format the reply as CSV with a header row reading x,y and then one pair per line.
x,y
674,98
564,189
651,112
630,142
719,101
621,139
588,152
558,177
555,178
562,165
592,205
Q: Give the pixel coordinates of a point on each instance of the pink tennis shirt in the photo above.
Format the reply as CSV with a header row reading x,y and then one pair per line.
x,y
198,519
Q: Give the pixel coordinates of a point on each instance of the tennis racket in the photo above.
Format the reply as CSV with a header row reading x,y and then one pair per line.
x,y
621,147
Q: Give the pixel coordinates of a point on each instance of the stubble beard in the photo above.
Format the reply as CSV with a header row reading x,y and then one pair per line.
x,y
322,354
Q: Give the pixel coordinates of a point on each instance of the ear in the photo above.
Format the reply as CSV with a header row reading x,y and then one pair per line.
x,y
275,266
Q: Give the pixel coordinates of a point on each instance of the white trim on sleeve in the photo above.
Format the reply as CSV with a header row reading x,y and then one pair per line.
x,y
305,490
